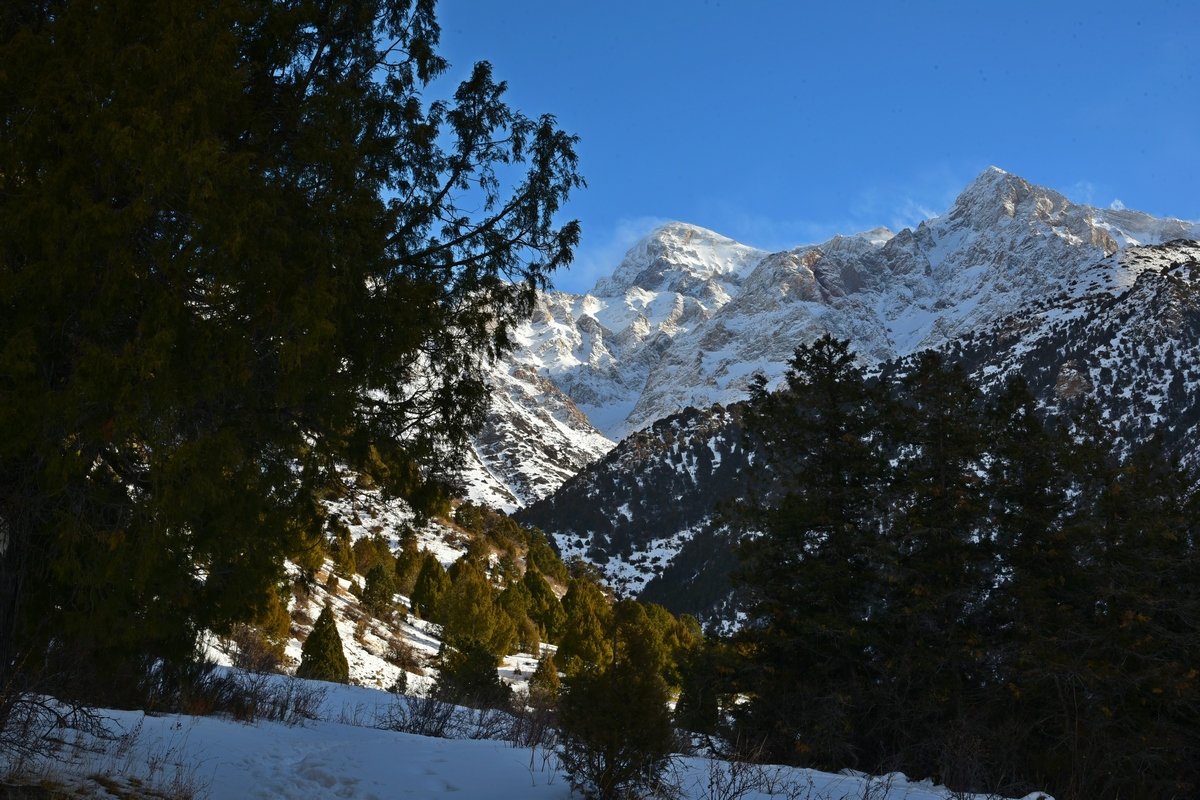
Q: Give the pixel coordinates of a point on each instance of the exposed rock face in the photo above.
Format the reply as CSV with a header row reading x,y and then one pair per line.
x,y
1122,334
534,438
689,316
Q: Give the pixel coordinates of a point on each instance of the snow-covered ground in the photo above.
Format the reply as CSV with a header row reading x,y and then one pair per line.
x,y
347,754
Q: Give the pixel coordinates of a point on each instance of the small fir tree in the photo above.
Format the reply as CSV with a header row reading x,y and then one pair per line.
x,y
469,677
615,731
545,684
322,657
432,582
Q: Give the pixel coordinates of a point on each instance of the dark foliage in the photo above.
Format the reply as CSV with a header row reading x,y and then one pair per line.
x,y
615,732
322,657
234,237
469,677
953,588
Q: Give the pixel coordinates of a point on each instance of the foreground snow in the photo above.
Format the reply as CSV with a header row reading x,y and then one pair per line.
x,y
344,754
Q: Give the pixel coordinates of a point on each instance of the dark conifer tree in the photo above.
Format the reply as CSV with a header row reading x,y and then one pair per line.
x,y
544,606
942,553
431,585
322,657
241,244
545,683
469,677
586,629
812,573
471,615
614,727
379,590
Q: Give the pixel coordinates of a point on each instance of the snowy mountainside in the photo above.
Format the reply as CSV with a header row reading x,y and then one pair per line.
x,y
653,504
689,315
1123,332
533,438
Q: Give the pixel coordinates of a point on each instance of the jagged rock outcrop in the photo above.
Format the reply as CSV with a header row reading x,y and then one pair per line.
x,y
688,316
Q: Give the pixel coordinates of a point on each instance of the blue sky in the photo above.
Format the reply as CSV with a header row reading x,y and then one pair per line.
x,y
782,123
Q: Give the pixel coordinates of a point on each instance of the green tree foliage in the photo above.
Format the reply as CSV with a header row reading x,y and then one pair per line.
x,y
585,638
706,677
431,585
408,562
959,589
1104,637
469,677
614,727
810,579
471,614
341,548
261,642
545,683
470,517
235,236
541,555
322,657
379,590
545,609
516,602
372,550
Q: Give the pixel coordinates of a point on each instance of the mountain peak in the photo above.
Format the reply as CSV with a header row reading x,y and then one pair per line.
x,y
995,194
678,254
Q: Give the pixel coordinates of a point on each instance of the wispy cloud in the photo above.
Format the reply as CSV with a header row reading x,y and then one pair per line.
x,y
895,205
1082,192
600,252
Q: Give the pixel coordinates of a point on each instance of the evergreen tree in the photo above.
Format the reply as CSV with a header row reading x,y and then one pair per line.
x,y
706,677
471,614
545,683
614,727
372,550
1003,603
814,573
942,554
585,638
341,548
544,606
431,584
541,555
240,245
469,677
1120,633
379,590
516,602
408,562
322,657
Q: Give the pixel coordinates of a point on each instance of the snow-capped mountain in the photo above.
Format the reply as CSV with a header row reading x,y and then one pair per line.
x,y
689,315
1122,333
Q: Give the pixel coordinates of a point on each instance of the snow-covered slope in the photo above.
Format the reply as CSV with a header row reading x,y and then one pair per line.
x,y
689,315
533,439
1122,333
349,752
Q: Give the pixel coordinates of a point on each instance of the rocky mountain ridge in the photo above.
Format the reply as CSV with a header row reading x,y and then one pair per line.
x,y
688,316
1122,334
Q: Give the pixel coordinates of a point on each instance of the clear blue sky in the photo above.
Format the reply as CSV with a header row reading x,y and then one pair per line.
x,y
781,123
